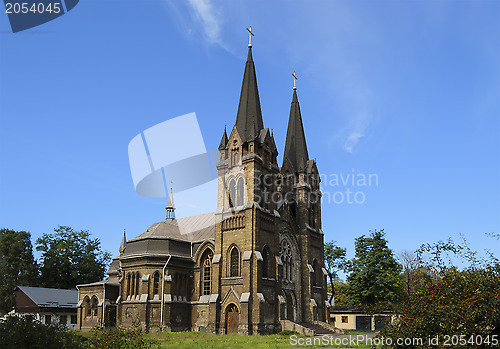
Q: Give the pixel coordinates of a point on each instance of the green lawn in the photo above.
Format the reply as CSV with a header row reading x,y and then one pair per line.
x,y
192,340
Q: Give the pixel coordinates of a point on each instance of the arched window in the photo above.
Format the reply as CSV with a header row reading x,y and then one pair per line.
x,y
232,193
240,194
286,258
235,262
265,262
156,283
93,306
132,284
207,273
86,307
128,284
293,209
316,276
137,282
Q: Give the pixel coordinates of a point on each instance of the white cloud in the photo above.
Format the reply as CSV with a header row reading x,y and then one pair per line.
x,y
352,140
210,18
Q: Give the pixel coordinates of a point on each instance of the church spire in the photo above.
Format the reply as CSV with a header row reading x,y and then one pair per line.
x,y
223,141
249,112
295,146
123,245
170,208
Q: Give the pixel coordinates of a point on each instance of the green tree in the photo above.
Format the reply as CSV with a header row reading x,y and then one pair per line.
x,y
17,265
446,302
374,277
340,287
335,261
71,257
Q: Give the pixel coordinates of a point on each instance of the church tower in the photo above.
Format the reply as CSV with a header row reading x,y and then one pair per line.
x,y
245,240
302,210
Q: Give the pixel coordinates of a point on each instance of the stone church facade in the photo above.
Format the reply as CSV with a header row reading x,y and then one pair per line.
x,y
255,261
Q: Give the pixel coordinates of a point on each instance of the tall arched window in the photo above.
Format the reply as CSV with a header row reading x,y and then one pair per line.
x,y
128,284
235,262
207,273
265,263
156,283
287,260
137,283
240,194
316,276
132,285
86,307
232,193
93,306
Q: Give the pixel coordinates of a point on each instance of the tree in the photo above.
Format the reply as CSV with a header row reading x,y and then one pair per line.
x,y
374,277
334,262
17,265
71,257
446,302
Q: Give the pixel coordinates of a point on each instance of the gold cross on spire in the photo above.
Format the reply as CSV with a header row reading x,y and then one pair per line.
x,y
294,79
250,36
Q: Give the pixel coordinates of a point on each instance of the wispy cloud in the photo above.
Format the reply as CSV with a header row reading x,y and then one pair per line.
x,y
210,19
352,140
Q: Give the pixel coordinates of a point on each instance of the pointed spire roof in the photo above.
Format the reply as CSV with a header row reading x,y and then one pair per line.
x,y
124,243
249,118
295,146
170,203
223,141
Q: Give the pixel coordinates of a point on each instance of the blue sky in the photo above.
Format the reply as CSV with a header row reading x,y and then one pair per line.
x,y
406,90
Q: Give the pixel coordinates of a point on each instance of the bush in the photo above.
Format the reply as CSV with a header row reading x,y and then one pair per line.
x,y
27,332
116,337
450,303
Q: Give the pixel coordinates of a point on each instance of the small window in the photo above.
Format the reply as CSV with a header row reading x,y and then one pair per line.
x,y
345,319
235,262
156,283
63,319
48,319
232,193
73,319
265,263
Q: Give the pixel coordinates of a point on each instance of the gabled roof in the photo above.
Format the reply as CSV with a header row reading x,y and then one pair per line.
x,y
51,297
249,118
295,146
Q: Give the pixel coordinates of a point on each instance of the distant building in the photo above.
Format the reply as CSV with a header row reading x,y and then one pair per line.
x,y
255,266
355,318
49,305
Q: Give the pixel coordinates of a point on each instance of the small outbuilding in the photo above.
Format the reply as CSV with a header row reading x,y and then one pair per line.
x,y
49,305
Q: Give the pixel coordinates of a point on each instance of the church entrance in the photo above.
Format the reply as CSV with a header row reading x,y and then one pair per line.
x,y
232,319
290,310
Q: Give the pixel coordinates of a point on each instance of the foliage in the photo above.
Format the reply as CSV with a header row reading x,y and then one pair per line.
x,y
334,262
27,332
115,337
17,265
445,301
374,277
341,289
71,257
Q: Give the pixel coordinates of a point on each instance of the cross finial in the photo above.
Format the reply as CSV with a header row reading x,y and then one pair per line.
x,y
250,36
294,79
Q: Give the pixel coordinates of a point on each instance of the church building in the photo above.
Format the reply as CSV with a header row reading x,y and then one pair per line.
x,y
251,267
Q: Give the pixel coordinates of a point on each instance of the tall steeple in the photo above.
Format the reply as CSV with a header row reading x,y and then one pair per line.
x,y
223,141
295,146
249,118
170,208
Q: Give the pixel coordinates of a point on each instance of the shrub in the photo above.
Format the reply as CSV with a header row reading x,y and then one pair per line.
x,y
27,332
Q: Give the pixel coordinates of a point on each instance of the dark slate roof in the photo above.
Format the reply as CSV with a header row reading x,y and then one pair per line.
x,y
223,141
249,118
194,228
295,146
51,297
113,268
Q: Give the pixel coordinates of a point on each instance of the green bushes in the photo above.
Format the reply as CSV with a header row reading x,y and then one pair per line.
x,y
28,333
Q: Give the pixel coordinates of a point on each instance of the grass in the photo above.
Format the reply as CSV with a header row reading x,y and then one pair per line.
x,y
192,340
